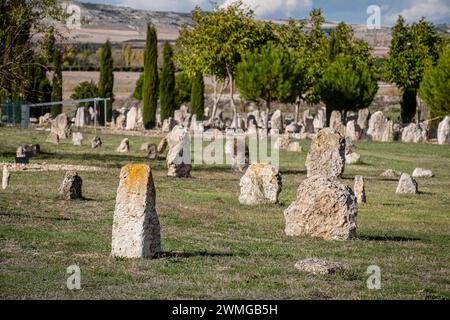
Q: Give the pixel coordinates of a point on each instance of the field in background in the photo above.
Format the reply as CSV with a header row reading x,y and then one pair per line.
x,y
213,246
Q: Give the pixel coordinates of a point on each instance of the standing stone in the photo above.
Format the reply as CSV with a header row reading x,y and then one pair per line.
x,y
96,142
71,186
124,146
414,133
136,229
77,138
260,184
406,184
132,117
443,133
319,120
178,163
422,173
81,117
335,119
326,155
6,177
121,121
168,124
363,119
320,266
276,121
52,138
152,152
162,146
324,208
352,130
61,126
360,192
380,128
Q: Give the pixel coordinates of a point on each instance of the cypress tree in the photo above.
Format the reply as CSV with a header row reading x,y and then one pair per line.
x,y
197,96
57,83
167,86
106,82
150,85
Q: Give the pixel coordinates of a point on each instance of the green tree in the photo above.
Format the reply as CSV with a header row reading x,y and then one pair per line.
x,y
271,73
198,96
57,93
435,86
412,48
137,93
183,88
150,83
167,85
347,85
106,82
85,90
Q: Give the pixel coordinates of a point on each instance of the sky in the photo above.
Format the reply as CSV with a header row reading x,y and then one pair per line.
x,y
350,11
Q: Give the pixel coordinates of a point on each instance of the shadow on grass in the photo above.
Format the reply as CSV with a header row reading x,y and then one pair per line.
x,y
293,171
30,216
187,254
386,238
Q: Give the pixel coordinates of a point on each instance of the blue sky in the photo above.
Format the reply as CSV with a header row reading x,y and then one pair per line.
x,y
351,11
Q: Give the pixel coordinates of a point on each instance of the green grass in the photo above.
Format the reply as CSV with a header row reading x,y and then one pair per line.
x,y
213,246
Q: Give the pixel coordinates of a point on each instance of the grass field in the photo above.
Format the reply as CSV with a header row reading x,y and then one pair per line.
x,y
213,246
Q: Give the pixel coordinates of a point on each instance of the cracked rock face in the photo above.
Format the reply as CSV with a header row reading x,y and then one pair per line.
x,y
71,187
406,184
324,208
380,128
260,184
136,229
326,155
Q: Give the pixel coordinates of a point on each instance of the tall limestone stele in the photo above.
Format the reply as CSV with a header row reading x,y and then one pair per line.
x,y
136,229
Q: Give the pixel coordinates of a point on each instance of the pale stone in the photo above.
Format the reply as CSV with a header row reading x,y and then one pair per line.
x,y
335,119
389,173
352,130
5,177
414,133
96,142
443,133
326,154
136,229
124,146
61,126
81,117
293,128
319,120
380,128
320,266
276,121
121,121
294,147
132,119
162,146
178,156
71,187
422,173
309,125
359,189
77,138
260,184
363,119
168,124
352,158
52,138
407,184
324,208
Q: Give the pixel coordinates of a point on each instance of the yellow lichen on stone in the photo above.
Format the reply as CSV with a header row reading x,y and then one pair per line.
x,y
136,177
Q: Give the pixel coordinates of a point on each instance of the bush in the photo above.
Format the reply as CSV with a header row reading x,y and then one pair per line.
x,y
85,90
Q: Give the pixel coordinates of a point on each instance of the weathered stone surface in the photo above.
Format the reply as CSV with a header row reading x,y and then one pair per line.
x,y
363,119
320,266
309,125
422,173
319,120
96,142
414,133
326,154
324,208
380,128
134,118
168,124
52,138
136,229
406,184
359,189
294,147
389,173
81,117
240,159
152,152
443,133
352,158
282,142
5,177
335,119
61,126
352,130
77,138
121,121
124,146
276,121
162,146
71,187
178,163
260,184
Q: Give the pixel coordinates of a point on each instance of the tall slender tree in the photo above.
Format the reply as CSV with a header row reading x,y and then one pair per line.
x,y
198,96
56,83
150,85
106,82
167,86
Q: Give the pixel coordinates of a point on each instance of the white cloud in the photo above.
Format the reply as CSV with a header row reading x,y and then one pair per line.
x,y
165,5
432,10
277,8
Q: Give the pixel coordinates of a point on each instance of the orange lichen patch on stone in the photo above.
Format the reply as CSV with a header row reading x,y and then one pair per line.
x,y
255,166
136,177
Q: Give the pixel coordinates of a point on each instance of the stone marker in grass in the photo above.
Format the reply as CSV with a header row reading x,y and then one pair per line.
x,y
407,184
71,187
260,184
359,189
136,230
124,146
5,178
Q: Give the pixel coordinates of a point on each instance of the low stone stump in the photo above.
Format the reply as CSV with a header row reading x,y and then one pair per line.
x,y
260,184
320,266
77,138
71,187
422,173
136,229
124,146
96,142
5,177
407,184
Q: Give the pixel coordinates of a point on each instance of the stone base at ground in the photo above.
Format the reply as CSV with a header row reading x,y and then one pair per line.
x,y
319,266
71,187
260,184
406,184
